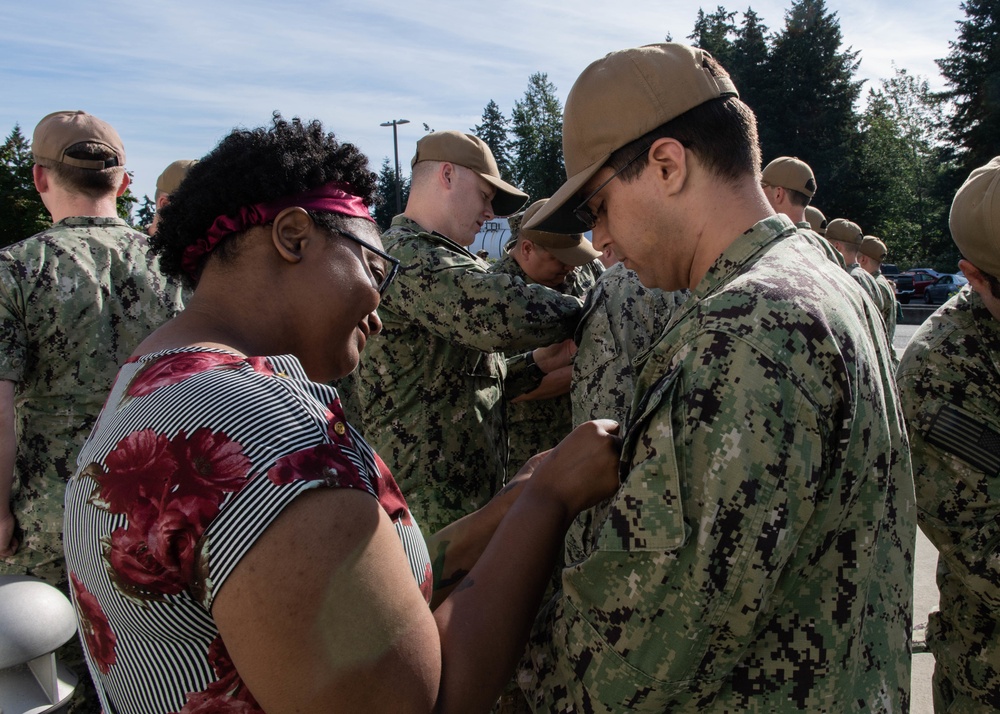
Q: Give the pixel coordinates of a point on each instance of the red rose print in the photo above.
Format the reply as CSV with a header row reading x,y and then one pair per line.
x,y
325,462
226,695
139,469
173,369
170,509
210,462
94,626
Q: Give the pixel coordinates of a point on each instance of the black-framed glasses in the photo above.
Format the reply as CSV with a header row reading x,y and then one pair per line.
x,y
583,212
392,264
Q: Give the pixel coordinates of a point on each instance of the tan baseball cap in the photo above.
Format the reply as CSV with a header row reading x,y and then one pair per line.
x,y
975,218
59,131
172,176
790,172
572,249
844,231
473,153
816,219
874,248
618,99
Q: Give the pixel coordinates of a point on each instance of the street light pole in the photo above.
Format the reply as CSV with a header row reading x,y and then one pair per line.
x,y
395,151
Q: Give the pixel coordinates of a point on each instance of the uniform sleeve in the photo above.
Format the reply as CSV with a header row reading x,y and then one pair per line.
x,y
723,479
13,325
955,449
453,297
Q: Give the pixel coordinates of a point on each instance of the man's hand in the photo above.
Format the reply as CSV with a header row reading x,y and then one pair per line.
x,y
551,358
554,384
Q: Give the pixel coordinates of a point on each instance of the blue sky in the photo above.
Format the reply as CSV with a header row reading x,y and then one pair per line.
x,y
174,78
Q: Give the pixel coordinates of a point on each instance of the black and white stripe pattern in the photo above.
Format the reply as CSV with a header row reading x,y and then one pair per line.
x,y
162,643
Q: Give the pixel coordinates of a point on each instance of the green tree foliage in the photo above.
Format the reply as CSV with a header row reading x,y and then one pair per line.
x,y
385,207
899,166
22,213
807,109
144,216
750,64
537,128
126,202
972,72
714,33
494,131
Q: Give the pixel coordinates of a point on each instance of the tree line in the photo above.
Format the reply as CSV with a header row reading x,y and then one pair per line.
x,y
892,166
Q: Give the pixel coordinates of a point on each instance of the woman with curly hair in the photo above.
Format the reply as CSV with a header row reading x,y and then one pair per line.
x,y
233,543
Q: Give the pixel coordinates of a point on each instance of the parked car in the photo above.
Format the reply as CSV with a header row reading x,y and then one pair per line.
x,y
943,288
889,270
912,283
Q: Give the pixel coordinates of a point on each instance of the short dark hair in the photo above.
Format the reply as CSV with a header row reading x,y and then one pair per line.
x,y
722,132
93,183
992,281
797,198
251,166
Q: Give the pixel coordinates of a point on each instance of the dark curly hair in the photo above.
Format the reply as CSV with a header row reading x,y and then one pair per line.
x,y
252,166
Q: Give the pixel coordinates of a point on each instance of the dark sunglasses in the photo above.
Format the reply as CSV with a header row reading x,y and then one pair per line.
x,y
393,265
583,212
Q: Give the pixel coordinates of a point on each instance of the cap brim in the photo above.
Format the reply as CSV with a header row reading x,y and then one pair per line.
x,y
508,200
556,216
577,255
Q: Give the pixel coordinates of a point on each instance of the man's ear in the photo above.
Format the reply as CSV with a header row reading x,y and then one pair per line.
x,y
669,160
290,233
975,276
126,180
40,178
447,172
162,201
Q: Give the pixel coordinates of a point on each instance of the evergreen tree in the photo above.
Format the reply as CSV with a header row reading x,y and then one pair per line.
x,y
494,131
750,59
144,216
126,202
22,213
714,34
537,128
897,170
972,71
808,109
385,205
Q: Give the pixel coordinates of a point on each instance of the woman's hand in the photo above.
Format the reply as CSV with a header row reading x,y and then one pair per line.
x,y
583,469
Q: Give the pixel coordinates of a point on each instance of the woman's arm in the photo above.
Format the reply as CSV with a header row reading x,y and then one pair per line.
x,y
323,613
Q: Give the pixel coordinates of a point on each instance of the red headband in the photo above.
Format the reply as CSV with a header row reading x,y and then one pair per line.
x,y
330,198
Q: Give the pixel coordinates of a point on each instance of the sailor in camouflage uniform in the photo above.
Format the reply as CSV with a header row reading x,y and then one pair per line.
x,y
949,381
870,256
75,300
758,555
430,386
567,263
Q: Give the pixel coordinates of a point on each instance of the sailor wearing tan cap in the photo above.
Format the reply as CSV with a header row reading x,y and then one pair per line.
x,y
166,184
871,255
789,185
431,384
757,556
568,263
75,300
949,381
847,237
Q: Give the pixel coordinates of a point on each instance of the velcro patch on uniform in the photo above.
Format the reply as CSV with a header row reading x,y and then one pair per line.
x,y
966,437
